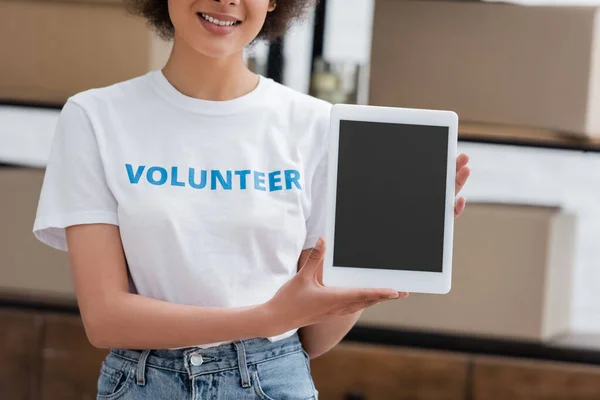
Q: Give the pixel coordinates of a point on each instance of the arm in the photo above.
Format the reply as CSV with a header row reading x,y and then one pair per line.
x,y
113,317
319,338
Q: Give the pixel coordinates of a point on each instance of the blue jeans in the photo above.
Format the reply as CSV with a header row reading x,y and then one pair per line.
x,y
243,370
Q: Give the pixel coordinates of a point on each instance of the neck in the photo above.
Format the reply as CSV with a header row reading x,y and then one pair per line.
x,y
208,78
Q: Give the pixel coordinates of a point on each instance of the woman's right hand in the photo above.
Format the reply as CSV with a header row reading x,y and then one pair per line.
x,y
304,301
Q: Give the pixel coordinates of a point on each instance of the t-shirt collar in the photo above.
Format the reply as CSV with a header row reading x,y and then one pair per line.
x,y
168,91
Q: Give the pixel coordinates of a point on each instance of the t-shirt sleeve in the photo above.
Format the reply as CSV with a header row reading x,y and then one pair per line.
x,y
75,189
315,224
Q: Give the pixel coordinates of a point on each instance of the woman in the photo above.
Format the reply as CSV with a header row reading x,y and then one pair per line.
x,y
190,201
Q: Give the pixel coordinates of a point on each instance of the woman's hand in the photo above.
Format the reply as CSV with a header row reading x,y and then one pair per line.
x,y
303,300
462,174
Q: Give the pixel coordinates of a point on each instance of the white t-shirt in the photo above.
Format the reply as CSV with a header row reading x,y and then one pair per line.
x,y
214,200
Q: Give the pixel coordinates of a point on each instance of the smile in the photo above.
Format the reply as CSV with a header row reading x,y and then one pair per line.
x,y
219,22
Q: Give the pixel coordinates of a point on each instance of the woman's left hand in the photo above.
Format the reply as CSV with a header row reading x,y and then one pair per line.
x,y
462,174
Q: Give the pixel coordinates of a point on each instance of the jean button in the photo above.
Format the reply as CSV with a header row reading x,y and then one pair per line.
x,y
196,360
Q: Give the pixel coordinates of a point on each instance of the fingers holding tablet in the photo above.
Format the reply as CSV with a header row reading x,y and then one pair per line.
x,y
313,269
303,300
462,172
459,207
461,161
348,300
462,175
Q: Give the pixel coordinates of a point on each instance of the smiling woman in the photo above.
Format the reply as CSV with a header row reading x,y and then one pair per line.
x,y
191,201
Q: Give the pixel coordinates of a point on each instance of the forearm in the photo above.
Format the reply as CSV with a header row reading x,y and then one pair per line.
x,y
133,321
318,339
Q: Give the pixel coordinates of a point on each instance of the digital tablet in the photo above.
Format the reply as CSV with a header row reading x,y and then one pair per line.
x,y
390,198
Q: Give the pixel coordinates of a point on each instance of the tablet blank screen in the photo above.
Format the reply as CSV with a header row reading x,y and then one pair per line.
x,y
391,190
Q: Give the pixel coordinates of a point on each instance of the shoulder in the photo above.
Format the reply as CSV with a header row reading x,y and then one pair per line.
x,y
299,104
112,97
307,117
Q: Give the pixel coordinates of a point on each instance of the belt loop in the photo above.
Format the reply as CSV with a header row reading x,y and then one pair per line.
x,y
241,353
140,372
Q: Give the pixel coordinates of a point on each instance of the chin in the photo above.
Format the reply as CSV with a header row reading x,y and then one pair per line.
x,y
213,46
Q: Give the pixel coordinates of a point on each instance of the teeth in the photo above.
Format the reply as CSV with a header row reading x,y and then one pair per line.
x,y
217,22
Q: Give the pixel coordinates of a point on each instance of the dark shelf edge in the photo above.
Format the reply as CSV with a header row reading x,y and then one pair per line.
x,y
528,143
31,104
471,345
36,304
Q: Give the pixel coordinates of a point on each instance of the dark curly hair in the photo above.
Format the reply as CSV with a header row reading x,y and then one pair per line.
x,y
277,22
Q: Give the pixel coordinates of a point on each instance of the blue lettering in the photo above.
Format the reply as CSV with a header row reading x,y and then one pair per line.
x,y
292,176
216,175
161,171
134,178
259,181
192,180
263,181
243,177
174,181
273,180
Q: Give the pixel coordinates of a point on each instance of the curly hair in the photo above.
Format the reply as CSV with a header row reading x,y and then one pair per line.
x,y
156,12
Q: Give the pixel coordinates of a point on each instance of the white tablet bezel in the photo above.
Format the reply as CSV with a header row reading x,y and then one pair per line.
x,y
403,281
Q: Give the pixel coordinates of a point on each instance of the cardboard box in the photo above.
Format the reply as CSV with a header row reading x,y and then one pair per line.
x,y
512,274
53,49
29,270
491,63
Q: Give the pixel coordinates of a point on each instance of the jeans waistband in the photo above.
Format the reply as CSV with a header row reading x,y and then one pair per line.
x,y
198,361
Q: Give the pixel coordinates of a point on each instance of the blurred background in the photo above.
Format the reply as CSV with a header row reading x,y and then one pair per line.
x,y
523,318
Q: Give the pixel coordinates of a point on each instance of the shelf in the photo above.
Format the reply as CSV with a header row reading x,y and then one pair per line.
x,y
529,137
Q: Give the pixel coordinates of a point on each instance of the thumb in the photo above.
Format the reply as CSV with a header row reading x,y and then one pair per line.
x,y
315,258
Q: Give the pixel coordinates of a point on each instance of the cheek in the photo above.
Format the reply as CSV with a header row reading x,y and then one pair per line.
x,y
256,12
180,13
252,29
